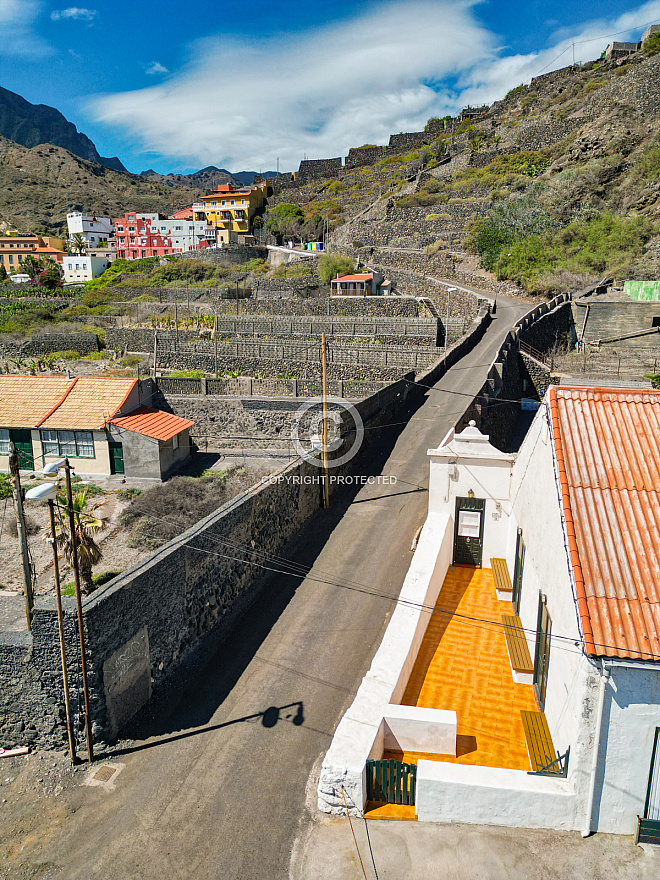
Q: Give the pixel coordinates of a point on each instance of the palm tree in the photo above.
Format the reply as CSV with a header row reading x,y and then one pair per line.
x,y
77,244
86,527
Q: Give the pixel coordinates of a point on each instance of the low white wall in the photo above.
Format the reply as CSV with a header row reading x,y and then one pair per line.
x,y
416,729
361,732
491,796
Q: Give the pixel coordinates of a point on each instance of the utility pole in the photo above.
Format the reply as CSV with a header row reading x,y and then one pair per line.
x,y
22,533
155,351
60,623
326,483
215,339
81,626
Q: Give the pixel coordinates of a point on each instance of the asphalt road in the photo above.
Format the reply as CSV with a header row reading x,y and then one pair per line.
x,y
217,788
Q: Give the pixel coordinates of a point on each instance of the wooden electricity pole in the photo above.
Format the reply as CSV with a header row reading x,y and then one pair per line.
x,y
81,625
326,482
22,532
60,623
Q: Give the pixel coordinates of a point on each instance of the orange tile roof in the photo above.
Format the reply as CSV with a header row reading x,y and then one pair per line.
x,y
607,447
153,423
90,403
364,277
84,403
26,400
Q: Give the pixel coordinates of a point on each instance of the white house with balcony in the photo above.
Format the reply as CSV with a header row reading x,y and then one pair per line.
x,y
518,681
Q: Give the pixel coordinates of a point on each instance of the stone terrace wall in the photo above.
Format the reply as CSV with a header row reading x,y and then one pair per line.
x,y
84,343
311,169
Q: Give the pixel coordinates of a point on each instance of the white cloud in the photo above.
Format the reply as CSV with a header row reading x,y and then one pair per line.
x,y
243,103
73,13
16,27
155,68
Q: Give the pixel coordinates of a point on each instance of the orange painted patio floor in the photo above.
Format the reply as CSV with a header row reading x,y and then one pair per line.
x,y
463,665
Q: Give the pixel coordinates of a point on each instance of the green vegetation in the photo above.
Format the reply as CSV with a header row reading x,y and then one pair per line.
x,y
6,486
606,244
517,91
331,265
652,45
98,580
163,512
187,374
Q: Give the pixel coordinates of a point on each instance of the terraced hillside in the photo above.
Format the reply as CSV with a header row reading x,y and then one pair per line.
x,y
556,184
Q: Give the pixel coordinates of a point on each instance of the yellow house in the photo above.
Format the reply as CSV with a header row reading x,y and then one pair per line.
x,y
230,210
14,248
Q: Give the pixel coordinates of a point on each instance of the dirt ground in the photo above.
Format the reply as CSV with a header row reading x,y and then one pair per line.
x,y
117,555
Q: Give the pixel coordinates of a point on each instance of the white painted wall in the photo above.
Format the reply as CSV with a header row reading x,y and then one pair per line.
x,y
83,268
416,729
361,732
468,462
572,690
631,713
492,796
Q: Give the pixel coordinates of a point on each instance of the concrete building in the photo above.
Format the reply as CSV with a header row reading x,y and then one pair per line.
x,y
621,50
104,426
518,678
154,235
361,284
16,247
97,231
229,211
83,268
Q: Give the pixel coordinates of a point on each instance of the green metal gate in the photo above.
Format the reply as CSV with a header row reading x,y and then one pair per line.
x,y
391,782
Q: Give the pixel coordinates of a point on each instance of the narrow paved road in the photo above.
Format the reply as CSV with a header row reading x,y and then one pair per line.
x,y
217,789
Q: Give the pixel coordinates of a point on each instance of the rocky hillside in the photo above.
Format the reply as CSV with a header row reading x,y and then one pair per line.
x,y
33,124
39,186
207,178
556,183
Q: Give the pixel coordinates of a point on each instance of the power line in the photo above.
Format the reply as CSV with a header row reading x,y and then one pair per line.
x,y
298,570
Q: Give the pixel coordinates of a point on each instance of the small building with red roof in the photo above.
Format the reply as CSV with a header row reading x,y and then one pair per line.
x,y
104,426
357,284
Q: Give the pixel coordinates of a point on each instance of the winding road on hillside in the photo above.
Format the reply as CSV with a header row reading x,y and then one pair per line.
x,y
221,786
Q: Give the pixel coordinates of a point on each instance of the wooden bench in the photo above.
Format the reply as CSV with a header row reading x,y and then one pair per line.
x,y
540,747
522,667
503,584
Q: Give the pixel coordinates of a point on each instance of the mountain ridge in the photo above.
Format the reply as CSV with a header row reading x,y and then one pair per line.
x,y
33,124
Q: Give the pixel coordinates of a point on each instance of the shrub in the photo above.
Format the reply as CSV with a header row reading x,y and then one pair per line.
x,y
652,45
331,265
187,374
163,512
130,360
66,355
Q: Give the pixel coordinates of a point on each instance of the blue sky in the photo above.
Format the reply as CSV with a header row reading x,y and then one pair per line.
x,y
175,86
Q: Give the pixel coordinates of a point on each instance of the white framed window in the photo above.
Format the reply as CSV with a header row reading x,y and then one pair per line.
x,y
4,441
72,444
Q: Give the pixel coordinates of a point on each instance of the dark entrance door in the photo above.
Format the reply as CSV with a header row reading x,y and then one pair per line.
x,y
469,531
518,571
648,828
542,654
23,442
116,458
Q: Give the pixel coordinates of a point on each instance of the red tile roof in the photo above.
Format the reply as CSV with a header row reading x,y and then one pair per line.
x,y
364,277
607,447
84,403
153,423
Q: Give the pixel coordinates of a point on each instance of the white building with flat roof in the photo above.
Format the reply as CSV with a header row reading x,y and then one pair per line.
x,y
95,230
83,268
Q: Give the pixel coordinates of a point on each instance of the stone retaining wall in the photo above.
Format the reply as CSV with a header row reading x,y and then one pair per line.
x,y
83,343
